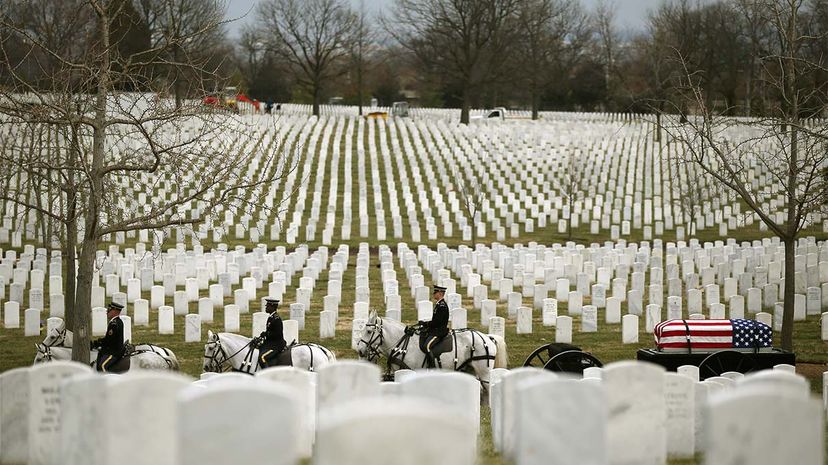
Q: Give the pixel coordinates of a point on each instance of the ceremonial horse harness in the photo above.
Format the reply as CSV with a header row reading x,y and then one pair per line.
x,y
396,355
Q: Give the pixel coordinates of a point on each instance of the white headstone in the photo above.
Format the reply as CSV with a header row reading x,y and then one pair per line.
x,y
613,312
45,409
14,415
524,320
192,327
457,390
144,403
140,315
11,315
304,385
342,432
629,329
327,324
761,441
589,319
510,395
231,318
550,311
679,399
166,320
83,420
205,413
497,326
31,326
568,427
563,330
636,431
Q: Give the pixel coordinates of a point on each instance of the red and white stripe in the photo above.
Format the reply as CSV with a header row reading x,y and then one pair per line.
x,y
704,334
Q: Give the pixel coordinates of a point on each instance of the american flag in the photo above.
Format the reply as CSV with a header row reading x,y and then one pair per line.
x,y
712,334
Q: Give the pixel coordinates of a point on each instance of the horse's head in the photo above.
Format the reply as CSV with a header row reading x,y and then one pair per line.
x,y
43,354
212,349
371,338
56,337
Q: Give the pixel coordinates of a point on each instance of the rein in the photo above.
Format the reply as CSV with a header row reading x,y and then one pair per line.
x,y
377,336
217,364
397,354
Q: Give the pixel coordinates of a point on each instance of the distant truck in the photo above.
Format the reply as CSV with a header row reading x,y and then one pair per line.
x,y
495,113
400,110
228,99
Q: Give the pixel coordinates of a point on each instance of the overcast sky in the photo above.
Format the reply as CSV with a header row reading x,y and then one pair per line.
x,y
632,14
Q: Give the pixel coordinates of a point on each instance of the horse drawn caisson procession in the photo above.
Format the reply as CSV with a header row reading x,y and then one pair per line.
x,y
716,347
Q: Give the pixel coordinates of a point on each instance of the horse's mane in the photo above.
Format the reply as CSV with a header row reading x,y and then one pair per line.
x,y
234,337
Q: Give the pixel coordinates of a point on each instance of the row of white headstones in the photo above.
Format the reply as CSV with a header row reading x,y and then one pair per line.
x,y
415,168
749,277
627,413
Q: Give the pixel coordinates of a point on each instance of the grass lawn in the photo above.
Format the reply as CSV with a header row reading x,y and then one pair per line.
x,y
812,353
604,344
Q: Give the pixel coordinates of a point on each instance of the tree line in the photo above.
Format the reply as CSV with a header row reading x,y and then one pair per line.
x,y
524,54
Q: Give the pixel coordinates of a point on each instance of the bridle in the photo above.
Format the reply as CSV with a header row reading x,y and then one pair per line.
x,y
373,344
46,351
59,339
219,365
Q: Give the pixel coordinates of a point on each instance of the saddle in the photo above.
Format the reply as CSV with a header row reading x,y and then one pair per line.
x,y
445,345
285,358
122,366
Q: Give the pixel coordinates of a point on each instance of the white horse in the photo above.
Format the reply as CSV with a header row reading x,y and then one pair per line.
x,y
472,351
58,346
229,351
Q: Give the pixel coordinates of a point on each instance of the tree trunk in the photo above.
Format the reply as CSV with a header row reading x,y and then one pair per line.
x,y
316,100
535,104
792,188
178,93
69,250
359,84
790,283
465,110
658,127
749,87
83,295
83,300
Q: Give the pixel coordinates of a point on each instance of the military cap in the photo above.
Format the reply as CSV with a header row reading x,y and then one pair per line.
x,y
115,306
271,305
439,288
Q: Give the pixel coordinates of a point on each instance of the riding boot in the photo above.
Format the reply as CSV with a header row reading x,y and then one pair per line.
x,y
430,361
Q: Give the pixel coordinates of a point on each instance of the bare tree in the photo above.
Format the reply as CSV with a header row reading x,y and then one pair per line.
x,y
182,32
106,140
362,40
471,196
312,36
783,145
464,42
569,185
608,39
552,34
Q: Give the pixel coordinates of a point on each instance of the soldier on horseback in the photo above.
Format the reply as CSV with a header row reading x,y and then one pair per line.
x,y
435,330
271,342
111,346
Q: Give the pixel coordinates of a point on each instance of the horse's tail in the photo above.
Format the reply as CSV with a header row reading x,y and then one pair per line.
x,y
172,360
501,356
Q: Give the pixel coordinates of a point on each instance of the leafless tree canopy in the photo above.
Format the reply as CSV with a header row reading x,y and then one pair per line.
x,y
75,143
551,34
785,144
463,41
312,36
